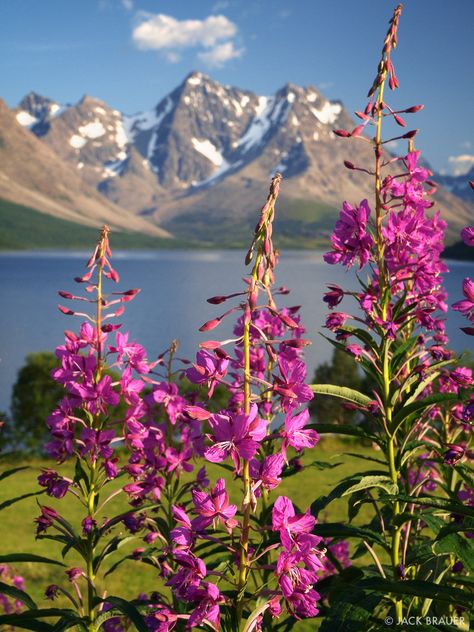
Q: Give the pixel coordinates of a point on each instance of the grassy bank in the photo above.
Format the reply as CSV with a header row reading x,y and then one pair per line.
x,y
17,532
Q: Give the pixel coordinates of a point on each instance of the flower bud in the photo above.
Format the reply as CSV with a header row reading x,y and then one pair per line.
x,y
411,134
348,164
413,109
399,120
196,412
210,344
65,310
341,132
211,324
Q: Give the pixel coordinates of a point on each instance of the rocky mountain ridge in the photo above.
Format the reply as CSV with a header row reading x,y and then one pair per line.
x,y
203,156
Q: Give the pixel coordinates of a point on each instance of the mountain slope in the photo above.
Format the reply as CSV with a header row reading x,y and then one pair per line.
x,y
31,173
199,163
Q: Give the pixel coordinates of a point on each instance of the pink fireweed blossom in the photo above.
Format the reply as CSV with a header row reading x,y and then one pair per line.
x,y
214,507
208,598
351,240
209,369
467,235
235,435
334,296
290,385
178,461
55,484
166,393
296,585
295,435
131,353
287,522
466,306
182,535
192,571
266,474
335,320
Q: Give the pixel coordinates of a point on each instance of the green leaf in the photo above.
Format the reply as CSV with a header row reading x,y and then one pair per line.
x,y
323,501
65,623
419,405
419,588
366,457
130,611
344,429
439,503
28,620
458,545
343,392
12,501
20,622
118,563
13,558
384,482
16,593
323,465
340,530
111,547
353,612
106,615
12,471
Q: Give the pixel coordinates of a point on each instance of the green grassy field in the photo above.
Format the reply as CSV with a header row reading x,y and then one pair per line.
x,y
24,228
17,530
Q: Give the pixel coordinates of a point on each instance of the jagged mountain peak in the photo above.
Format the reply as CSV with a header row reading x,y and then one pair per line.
x,y
206,147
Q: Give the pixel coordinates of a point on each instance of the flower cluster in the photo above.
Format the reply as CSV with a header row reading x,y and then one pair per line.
x,y
9,605
265,380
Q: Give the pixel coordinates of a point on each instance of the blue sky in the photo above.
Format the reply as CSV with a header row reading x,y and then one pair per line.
x,y
130,53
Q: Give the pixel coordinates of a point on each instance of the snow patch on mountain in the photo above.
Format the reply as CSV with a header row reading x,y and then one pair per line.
x,y
25,119
328,113
259,125
208,150
92,130
77,141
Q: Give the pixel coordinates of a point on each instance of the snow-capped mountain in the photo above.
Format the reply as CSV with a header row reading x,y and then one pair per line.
x,y
206,152
458,185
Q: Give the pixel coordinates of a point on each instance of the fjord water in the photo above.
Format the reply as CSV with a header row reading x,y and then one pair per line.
x,y
172,303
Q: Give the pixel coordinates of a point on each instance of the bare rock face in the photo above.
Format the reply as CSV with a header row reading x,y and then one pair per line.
x,y
204,155
31,173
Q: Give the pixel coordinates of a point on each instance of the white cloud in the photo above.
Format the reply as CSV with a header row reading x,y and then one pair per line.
x,y
161,32
216,57
460,165
213,37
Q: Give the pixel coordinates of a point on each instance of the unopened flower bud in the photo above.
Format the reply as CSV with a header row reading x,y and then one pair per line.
x,y
210,324
414,108
411,134
341,132
399,120
357,131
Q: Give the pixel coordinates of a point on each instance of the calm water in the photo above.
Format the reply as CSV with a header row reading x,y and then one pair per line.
x,y
172,303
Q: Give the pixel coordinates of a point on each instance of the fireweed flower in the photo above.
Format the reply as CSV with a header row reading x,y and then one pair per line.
x,y
295,434
467,235
235,435
290,385
351,240
208,369
264,376
88,425
401,345
466,306
214,506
